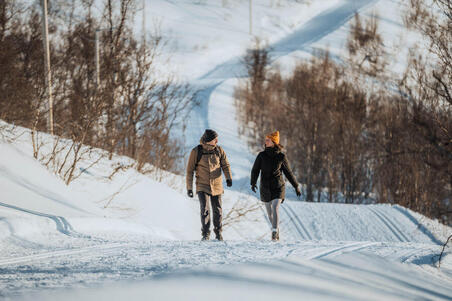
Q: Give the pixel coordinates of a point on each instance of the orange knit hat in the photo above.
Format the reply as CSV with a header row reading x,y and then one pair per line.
x,y
274,137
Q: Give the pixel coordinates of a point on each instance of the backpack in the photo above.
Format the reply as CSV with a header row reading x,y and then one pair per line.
x,y
201,152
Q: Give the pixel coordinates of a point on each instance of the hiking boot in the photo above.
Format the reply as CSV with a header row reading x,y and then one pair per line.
x,y
275,235
206,236
218,236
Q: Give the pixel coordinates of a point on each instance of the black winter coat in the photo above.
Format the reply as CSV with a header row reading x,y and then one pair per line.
x,y
271,164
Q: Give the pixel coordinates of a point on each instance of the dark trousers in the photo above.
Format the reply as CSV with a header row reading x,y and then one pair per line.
x,y
206,202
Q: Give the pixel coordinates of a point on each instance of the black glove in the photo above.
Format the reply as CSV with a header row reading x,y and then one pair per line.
x,y
229,183
298,191
190,193
254,188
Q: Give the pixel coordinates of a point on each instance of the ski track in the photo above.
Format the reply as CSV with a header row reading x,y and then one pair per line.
x,y
309,237
391,226
119,261
302,236
419,225
62,225
104,248
352,247
127,261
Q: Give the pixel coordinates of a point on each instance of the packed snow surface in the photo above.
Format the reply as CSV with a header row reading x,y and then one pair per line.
x,y
124,235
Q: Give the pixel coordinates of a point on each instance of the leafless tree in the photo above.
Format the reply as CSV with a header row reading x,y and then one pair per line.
x,y
131,111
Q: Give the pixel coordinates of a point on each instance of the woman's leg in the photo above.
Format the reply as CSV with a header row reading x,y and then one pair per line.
x,y
275,213
268,206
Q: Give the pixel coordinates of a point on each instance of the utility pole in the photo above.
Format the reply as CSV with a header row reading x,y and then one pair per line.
x,y
48,75
251,17
144,22
97,50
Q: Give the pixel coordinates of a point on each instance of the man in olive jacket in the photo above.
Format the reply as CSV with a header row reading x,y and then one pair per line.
x,y
208,160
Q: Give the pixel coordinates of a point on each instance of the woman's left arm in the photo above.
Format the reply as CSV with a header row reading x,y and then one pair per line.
x,y
288,172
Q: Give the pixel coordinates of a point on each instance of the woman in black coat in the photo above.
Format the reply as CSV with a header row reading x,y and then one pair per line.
x,y
271,164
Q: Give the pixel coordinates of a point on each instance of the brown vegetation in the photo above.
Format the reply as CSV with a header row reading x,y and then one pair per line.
x,y
130,111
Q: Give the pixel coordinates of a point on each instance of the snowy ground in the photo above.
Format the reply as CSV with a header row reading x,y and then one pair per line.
x,y
59,242
136,237
193,270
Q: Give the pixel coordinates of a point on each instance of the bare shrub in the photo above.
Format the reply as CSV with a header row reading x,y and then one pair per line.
x,y
365,47
241,210
442,250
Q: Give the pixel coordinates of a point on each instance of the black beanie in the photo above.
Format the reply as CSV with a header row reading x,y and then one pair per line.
x,y
209,135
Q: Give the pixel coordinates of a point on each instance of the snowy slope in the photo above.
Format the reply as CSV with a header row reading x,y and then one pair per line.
x,y
205,34
30,190
28,184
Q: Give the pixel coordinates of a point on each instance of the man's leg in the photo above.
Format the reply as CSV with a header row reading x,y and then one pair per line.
x,y
217,215
204,204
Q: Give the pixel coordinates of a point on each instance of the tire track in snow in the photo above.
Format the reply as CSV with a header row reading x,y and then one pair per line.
x,y
390,225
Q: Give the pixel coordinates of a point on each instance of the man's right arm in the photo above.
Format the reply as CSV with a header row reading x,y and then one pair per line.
x,y
191,169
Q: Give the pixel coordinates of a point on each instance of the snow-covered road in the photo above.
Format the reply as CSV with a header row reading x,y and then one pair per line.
x,y
102,264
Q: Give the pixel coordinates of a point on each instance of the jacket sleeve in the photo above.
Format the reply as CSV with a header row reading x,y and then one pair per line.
x,y
288,172
224,163
256,170
191,168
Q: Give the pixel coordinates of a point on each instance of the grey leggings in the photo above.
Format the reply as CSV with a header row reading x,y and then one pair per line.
x,y
273,212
